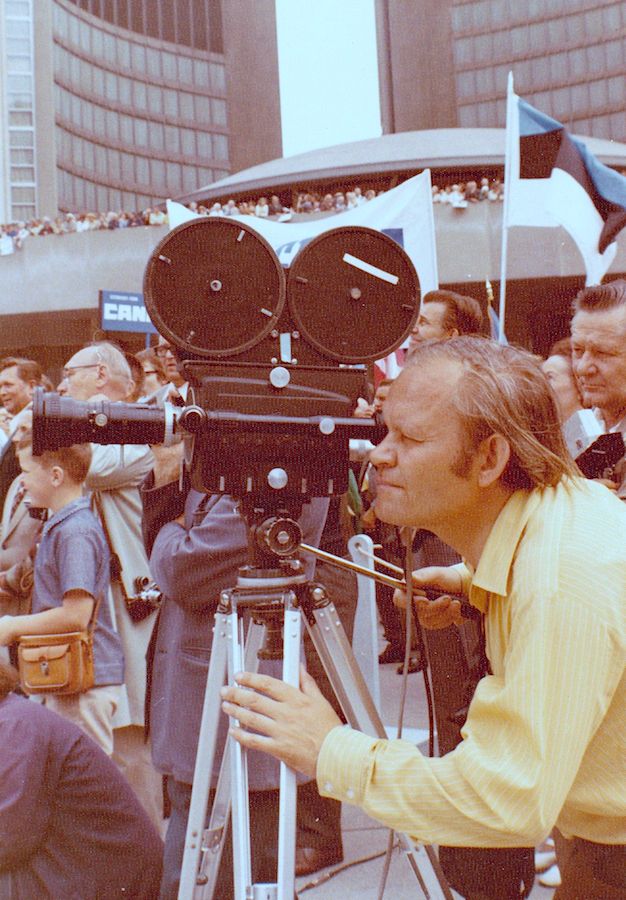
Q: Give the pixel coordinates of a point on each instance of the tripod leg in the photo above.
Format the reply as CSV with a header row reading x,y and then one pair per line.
x,y
215,834
346,678
204,757
242,862
292,639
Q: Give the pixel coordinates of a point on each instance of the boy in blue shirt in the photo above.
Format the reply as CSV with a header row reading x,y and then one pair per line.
x,y
71,580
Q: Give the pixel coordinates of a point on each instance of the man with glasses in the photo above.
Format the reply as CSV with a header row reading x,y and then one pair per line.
x,y
165,352
100,371
599,360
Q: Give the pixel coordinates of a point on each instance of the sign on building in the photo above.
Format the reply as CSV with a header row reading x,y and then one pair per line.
x,y
122,311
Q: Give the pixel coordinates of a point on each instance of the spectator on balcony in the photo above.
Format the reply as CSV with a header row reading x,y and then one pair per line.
x,y
262,208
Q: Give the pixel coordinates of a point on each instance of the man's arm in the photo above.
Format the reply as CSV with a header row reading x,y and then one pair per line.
x,y
524,740
163,493
444,610
193,564
273,714
114,466
194,561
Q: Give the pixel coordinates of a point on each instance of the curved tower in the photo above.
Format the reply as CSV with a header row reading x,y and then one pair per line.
x,y
119,104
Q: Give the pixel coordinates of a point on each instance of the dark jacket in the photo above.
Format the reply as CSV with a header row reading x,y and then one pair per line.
x,y
70,825
192,565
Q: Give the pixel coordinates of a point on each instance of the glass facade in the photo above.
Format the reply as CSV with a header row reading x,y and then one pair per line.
x,y
568,58
19,102
137,120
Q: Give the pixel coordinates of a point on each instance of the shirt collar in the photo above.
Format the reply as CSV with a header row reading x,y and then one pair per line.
x,y
494,566
65,511
619,426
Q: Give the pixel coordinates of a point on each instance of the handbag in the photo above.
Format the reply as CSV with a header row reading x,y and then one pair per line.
x,y
56,663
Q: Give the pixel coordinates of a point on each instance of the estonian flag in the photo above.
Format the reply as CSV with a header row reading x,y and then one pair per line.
x,y
552,179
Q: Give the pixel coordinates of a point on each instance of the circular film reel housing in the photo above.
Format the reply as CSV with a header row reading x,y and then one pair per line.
x,y
354,294
214,287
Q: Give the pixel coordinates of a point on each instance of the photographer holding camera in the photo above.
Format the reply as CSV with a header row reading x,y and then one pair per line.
x,y
100,371
480,461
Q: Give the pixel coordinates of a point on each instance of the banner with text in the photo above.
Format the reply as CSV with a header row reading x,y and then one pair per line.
x,y
123,311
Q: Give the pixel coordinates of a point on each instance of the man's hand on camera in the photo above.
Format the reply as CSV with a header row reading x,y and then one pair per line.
x,y
288,723
167,463
363,409
444,610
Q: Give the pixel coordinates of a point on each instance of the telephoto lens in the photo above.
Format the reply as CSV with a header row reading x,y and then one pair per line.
x,y
61,422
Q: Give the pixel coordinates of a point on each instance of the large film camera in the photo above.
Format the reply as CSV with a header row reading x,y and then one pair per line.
x,y
275,360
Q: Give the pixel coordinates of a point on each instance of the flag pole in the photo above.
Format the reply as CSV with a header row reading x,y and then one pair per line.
x,y
509,157
490,309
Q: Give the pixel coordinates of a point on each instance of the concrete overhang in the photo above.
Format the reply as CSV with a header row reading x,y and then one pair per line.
x,y
442,149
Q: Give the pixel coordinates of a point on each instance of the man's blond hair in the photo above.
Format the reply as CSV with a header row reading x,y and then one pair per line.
x,y
502,390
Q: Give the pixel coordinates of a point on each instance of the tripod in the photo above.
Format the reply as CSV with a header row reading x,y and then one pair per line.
x,y
279,598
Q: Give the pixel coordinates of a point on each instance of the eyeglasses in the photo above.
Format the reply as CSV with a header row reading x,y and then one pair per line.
x,y
163,349
69,370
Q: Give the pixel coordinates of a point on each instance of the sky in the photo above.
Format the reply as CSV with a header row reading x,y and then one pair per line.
x,y
328,72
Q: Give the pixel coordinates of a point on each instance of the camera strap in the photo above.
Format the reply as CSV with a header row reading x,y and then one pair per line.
x,y
136,608
116,563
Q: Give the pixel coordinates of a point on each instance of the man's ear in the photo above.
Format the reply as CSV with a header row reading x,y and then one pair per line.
x,y
57,476
494,454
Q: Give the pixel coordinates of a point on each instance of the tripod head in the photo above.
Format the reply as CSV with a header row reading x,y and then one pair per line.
x,y
273,577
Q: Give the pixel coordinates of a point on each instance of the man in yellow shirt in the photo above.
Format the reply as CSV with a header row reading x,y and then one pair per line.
x,y
475,454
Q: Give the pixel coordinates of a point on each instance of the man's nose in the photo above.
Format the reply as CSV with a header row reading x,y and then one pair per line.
x,y
383,453
583,363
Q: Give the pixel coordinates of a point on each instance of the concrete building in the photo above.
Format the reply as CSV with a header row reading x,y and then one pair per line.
x,y
118,104
444,63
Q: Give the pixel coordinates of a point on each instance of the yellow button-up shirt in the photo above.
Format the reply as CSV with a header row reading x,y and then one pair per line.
x,y
544,739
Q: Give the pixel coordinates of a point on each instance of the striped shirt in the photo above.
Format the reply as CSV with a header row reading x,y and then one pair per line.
x,y
544,739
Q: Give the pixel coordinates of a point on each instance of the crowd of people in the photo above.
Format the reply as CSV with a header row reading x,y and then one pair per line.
x,y
13,235
525,649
